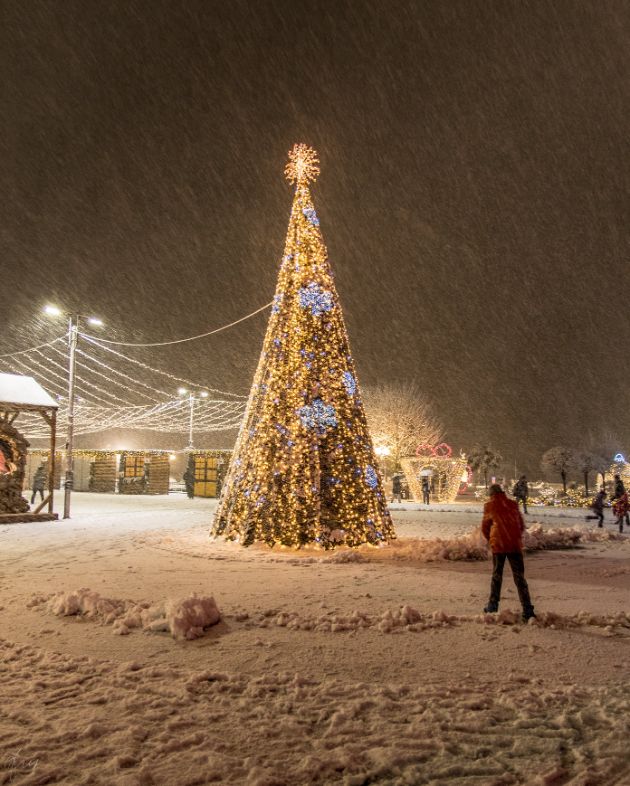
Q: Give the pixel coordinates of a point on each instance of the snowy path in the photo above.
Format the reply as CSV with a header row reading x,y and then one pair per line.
x,y
262,703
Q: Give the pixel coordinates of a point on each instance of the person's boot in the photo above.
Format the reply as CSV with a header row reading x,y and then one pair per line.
x,y
491,608
528,613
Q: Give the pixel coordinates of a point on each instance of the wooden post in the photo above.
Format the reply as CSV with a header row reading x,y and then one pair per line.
x,y
52,422
51,468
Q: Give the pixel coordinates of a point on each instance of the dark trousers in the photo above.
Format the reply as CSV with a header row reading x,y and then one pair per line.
x,y
35,493
597,514
524,501
426,496
518,573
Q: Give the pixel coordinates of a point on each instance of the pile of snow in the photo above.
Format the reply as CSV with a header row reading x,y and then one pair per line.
x,y
473,546
407,618
536,538
185,618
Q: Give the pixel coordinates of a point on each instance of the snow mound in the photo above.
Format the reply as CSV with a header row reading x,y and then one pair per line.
x,y
467,547
536,537
347,555
184,618
407,618
473,545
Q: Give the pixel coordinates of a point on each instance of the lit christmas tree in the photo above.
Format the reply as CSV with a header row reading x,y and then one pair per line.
x,y
303,468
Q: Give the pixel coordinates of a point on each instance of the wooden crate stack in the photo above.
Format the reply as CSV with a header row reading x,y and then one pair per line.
x,y
103,474
159,471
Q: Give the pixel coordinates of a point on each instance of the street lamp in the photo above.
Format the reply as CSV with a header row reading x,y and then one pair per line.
x,y
382,451
192,397
73,337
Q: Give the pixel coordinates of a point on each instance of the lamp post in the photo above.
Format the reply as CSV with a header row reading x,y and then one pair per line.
x,y
73,337
192,397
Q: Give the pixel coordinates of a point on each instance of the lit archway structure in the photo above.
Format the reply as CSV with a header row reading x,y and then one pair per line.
x,y
439,464
19,394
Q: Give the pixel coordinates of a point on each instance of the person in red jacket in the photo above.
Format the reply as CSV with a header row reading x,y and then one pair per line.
x,y
503,527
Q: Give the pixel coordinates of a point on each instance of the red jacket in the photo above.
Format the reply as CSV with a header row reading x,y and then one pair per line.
x,y
502,524
621,506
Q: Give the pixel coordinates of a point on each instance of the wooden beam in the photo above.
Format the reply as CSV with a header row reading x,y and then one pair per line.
x,y
46,501
47,418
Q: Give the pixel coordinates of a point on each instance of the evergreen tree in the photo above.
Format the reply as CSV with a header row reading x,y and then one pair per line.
x,y
303,468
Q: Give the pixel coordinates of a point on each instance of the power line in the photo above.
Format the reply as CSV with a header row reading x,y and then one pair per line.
x,y
179,340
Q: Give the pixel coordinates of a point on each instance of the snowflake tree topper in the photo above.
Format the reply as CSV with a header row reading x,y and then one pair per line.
x,y
303,166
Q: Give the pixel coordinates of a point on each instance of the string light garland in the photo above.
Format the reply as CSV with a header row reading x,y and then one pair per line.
x,y
303,468
122,403
145,366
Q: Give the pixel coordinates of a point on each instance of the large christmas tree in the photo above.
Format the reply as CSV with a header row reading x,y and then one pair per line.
x,y
303,468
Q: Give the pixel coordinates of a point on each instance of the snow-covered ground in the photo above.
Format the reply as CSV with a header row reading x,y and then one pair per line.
x,y
325,668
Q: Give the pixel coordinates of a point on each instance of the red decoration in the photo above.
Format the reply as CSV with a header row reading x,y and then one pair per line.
x,y
435,451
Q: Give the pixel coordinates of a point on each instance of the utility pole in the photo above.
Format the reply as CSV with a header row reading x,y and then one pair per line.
x,y
192,397
191,400
73,335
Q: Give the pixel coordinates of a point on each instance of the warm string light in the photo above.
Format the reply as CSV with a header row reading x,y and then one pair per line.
x,y
146,367
304,468
446,478
100,408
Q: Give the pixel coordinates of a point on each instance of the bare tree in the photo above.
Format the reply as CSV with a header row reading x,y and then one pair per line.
x,y
587,462
560,460
400,418
483,458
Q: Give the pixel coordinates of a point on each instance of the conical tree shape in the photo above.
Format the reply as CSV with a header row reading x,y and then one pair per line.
x,y
303,468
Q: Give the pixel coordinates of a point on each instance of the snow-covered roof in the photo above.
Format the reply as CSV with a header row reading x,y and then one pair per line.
x,y
21,392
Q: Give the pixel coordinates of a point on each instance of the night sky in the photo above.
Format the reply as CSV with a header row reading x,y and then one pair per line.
x,y
474,195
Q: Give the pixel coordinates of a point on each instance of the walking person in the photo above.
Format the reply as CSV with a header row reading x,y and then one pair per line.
x,y
597,506
503,527
39,483
620,490
397,488
426,490
621,506
189,481
521,492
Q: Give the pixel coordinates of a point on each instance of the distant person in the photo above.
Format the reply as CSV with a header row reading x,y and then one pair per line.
x,y
39,483
397,488
597,506
189,482
620,490
621,506
619,487
521,492
426,491
503,527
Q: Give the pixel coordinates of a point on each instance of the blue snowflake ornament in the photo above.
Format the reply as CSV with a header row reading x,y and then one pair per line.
x,y
277,300
318,416
311,216
371,478
317,299
350,383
